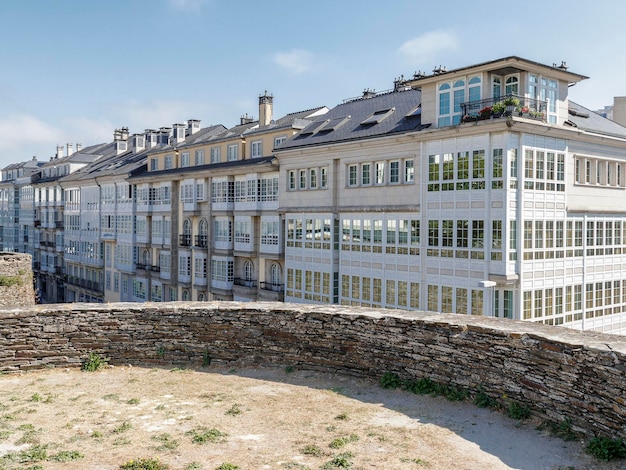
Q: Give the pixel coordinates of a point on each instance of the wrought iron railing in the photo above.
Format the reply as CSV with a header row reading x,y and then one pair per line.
x,y
244,282
504,106
272,287
201,241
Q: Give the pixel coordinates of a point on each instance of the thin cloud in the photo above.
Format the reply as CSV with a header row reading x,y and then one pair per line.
x,y
428,47
91,131
138,115
296,61
187,5
23,130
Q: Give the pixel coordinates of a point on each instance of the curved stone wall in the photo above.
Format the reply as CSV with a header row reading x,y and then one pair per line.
x,y
562,374
16,280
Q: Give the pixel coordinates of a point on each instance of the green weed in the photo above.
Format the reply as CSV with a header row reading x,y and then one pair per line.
x,y
203,435
605,448
144,464
94,362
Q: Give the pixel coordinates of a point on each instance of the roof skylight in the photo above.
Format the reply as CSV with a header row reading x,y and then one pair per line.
x,y
378,116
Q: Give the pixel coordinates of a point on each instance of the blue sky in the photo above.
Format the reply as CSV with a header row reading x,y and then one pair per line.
x,y
73,71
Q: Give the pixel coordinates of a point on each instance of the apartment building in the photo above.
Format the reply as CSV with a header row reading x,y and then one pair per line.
x,y
209,207
48,212
482,190
16,204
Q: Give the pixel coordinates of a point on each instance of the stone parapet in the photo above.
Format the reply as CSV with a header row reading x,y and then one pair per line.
x,y
562,374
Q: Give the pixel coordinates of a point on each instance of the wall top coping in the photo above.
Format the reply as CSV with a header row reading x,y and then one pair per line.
x,y
526,331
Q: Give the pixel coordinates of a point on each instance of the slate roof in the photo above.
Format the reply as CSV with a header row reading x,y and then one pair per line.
x,y
109,164
399,112
142,172
298,120
202,135
590,121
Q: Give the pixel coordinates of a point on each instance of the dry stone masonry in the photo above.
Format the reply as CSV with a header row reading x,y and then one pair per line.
x,y
16,280
562,374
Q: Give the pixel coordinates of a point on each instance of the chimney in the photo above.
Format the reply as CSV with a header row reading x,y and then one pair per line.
x,y
59,151
193,126
367,93
266,105
70,150
124,133
117,135
79,147
246,119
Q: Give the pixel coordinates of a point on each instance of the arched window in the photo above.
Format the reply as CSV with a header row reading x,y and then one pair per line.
x,y
203,230
248,271
185,238
186,296
496,89
474,89
459,98
511,86
201,297
276,274
145,258
203,227
444,105
187,227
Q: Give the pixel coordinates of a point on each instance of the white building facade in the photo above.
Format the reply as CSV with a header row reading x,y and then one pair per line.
x,y
471,208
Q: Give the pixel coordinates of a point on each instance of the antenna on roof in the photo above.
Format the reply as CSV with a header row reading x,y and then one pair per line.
x,y
563,65
439,70
419,74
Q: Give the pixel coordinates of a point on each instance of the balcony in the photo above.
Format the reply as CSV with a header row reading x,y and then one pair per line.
x,y
37,223
143,267
58,224
60,270
201,241
184,240
155,269
272,287
245,282
505,106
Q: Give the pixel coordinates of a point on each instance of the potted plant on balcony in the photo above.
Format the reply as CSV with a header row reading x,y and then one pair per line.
x,y
497,109
485,113
511,104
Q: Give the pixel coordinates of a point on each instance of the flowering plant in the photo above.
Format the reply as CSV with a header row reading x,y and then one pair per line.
x,y
485,112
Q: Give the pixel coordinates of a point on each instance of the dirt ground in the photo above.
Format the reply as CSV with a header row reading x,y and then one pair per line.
x,y
256,419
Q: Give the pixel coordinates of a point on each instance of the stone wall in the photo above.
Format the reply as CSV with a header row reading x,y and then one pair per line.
x,y
562,374
16,280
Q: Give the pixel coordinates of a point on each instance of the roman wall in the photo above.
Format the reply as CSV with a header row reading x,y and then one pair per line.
x,y
561,374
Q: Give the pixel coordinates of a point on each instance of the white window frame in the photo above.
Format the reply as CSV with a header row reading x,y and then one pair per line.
x,y
199,156
185,160
233,152
256,149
